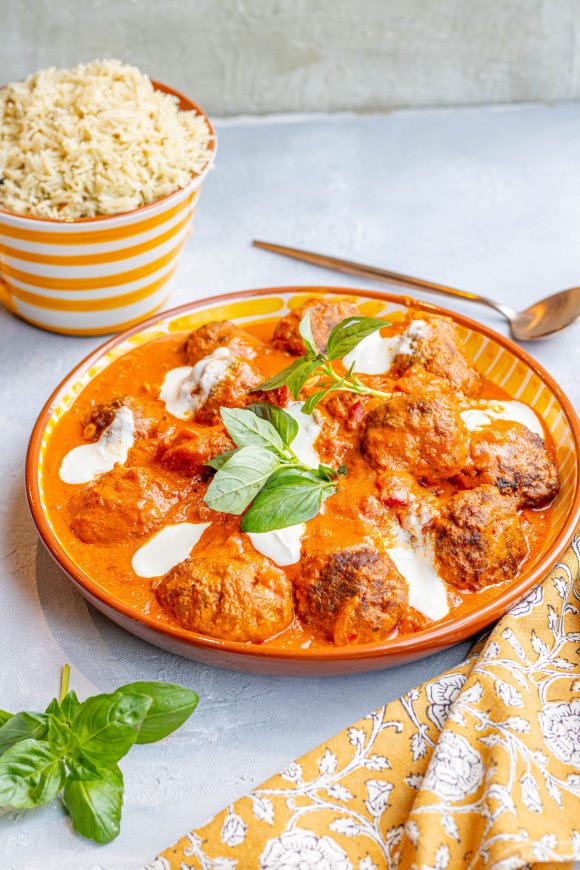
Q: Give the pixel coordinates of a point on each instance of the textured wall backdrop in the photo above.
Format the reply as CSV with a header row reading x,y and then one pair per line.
x,y
256,56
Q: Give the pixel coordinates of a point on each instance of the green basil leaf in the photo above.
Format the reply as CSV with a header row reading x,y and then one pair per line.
x,y
4,717
171,706
69,706
298,378
240,479
284,424
348,333
107,726
291,496
59,736
283,376
327,472
55,710
313,400
220,460
22,726
249,430
93,797
30,774
305,330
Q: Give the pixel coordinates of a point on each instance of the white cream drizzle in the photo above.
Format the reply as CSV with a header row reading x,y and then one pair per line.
x,y
88,461
186,388
375,354
282,546
414,559
167,548
309,428
427,591
486,412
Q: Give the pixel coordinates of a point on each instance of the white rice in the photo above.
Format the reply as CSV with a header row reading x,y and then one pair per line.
x,y
94,140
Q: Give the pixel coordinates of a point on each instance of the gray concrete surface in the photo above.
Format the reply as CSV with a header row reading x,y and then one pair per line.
x,y
487,199
235,56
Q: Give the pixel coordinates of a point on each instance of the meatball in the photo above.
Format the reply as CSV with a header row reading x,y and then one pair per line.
x,y
147,417
124,503
324,316
421,433
193,446
228,592
203,341
515,460
433,343
478,539
354,595
231,391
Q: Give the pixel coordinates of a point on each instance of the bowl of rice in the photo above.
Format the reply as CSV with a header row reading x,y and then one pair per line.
x,y
100,173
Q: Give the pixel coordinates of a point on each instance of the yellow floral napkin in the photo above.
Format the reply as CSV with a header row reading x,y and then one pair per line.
x,y
478,768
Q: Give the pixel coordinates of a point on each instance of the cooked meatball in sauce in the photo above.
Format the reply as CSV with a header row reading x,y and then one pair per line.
x,y
351,595
228,591
433,344
203,341
421,432
443,486
324,316
479,539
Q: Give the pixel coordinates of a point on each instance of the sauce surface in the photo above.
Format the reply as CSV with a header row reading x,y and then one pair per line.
x,y
140,374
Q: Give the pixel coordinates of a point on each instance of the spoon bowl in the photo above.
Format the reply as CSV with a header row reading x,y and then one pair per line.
x,y
547,316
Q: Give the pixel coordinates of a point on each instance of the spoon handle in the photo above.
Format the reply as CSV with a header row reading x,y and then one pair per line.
x,y
351,268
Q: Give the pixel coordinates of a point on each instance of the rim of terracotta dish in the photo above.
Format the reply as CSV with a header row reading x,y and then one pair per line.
x,y
185,104
432,638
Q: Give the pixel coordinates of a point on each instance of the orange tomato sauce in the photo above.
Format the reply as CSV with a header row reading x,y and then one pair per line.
x,y
140,373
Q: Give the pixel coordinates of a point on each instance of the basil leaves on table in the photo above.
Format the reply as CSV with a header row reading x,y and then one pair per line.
x,y
73,748
263,472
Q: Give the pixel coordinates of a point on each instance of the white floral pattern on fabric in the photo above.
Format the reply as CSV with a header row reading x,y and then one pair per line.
x,y
561,728
456,768
303,850
442,692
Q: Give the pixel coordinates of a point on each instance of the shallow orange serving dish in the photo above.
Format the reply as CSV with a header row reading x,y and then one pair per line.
x,y
499,359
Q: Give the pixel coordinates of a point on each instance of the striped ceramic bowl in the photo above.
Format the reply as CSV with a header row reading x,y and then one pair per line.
x,y
97,275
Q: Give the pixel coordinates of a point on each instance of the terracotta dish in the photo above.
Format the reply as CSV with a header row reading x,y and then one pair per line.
x,y
458,486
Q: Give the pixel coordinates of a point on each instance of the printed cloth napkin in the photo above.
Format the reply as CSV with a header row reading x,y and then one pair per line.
x,y
478,768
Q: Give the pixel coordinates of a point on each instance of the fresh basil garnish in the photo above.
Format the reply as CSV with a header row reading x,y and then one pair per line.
x,y
22,726
240,479
31,774
249,430
285,425
291,496
93,797
171,706
349,333
77,745
305,330
345,336
105,727
281,489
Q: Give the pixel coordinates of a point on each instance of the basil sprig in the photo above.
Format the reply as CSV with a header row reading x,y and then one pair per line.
x,y
345,336
265,472
74,748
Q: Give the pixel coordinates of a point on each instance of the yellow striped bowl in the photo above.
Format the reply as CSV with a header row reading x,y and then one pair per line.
x,y
97,275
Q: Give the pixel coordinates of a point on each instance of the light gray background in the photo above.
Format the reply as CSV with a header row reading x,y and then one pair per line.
x,y
234,56
487,199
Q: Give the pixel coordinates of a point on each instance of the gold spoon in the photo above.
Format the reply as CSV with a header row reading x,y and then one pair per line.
x,y
541,319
